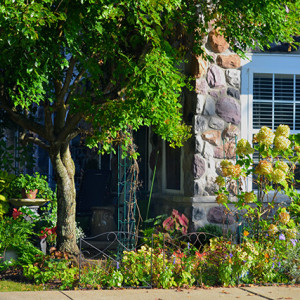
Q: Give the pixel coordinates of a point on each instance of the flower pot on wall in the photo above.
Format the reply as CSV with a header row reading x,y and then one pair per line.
x,y
29,194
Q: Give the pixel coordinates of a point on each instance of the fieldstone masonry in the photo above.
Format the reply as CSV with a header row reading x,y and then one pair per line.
x,y
216,112
217,119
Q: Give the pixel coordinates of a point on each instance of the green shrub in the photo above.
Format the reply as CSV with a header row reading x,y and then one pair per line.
x,y
47,269
16,233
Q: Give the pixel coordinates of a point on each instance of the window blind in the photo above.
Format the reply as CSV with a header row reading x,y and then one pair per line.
x,y
276,100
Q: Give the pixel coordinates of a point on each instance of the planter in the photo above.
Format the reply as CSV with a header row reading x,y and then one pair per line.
x,y
27,202
31,194
10,254
102,221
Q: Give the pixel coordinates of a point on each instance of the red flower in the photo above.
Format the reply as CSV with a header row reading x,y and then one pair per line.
x,y
43,236
201,255
178,253
16,213
48,232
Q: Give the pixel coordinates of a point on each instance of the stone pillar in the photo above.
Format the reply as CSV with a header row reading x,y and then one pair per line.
x,y
217,117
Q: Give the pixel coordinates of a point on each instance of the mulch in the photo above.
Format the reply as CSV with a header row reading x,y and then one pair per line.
x,y
14,274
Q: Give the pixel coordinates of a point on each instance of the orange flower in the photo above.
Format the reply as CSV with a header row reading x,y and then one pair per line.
x,y
246,233
267,257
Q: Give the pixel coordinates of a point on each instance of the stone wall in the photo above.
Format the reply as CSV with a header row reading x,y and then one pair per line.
x,y
213,109
217,118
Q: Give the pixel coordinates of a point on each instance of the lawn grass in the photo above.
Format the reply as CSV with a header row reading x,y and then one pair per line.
x,y
12,286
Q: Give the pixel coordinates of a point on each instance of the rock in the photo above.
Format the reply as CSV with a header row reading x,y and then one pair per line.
x,y
198,214
211,163
208,150
199,144
232,61
211,187
201,124
229,110
230,132
216,123
209,107
198,188
217,42
212,136
200,103
228,149
233,93
199,166
198,66
233,77
219,169
215,76
218,215
214,93
201,86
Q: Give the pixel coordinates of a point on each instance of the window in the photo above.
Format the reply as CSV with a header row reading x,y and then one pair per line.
x,y
270,93
276,100
172,173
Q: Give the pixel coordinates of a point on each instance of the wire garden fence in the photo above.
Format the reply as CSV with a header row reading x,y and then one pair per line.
x,y
156,261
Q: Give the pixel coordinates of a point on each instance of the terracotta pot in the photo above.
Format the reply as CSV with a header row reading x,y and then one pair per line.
x,y
31,194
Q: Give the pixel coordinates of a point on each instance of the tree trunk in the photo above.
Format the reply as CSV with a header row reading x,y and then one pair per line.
x,y
64,169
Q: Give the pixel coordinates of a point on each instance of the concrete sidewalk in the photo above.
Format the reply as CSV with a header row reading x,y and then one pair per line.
x,y
251,293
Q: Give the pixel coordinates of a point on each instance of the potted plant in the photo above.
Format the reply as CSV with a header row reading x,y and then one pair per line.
x,y
16,235
30,187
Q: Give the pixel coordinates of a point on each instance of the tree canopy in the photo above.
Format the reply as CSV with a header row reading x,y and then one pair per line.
x,y
102,68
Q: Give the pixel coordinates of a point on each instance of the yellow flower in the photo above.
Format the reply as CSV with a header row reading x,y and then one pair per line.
x,y
272,229
220,181
235,170
222,199
264,168
278,176
229,169
265,136
283,166
284,216
291,233
283,130
250,197
225,164
244,148
282,143
246,233
254,141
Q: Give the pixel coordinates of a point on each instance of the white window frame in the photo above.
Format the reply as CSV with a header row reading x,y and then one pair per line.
x,y
287,64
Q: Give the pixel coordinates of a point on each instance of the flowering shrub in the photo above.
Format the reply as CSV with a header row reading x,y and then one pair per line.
x,y
273,174
50,235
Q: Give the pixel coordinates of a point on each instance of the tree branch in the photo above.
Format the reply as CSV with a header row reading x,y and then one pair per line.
x,y
67,81
36,141
48,120
73,134
71,123
75,85
24,122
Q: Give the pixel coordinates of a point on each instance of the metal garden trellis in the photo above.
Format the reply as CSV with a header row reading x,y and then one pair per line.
x,y
127,185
